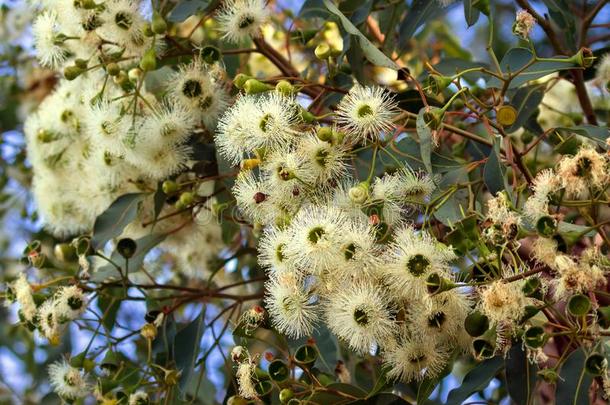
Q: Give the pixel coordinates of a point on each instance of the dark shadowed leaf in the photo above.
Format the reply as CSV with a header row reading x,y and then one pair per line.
x,y
186,347
525,101
111,222
477,379
574,381
471,13
494,172
520,375
419,12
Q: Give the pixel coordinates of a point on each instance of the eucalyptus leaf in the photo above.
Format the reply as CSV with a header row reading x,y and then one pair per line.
x,y
517,58
471,13
374,55
494,172
573,383
477,379
186,348
525,101
425,140
420,12
520,374
116,217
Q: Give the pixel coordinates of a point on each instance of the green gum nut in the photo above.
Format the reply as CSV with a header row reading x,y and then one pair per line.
x,y
284,87
579,305
127,247
485,346
546,226
278,371
158,25
476,324
596,364
436,84
436,284
306,355
324,134
286,395
534,337
603,317
210,54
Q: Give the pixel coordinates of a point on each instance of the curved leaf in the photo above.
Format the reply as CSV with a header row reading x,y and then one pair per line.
x,y
517,58
477,379
111,222
418,14
425,140
574,381
186,347
494,171
374,55
520,375
525,101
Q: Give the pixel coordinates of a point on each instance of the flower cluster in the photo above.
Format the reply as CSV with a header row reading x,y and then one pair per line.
x,y
339,251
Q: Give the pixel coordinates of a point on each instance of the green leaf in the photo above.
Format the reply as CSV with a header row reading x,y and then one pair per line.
x,y
574,382
111,222
333,396
425,140
517,58
595,133
109,303
374,55
471,13
520,375
187,8
420,12
494,172
477,379
451,211
186,348
525,101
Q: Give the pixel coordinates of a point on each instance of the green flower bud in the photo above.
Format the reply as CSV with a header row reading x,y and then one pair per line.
x,y
284,87
158,25
253,86
72,72
113,69
169,187
149,60
64,252
324,134
240,80
187,198
81,63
